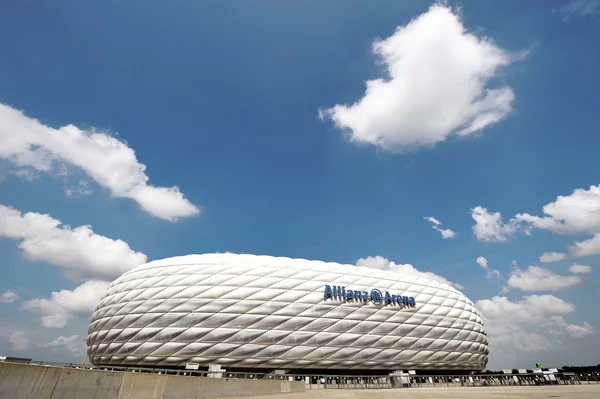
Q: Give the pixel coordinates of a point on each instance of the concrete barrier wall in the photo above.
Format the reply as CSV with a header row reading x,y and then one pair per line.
x,y
24,381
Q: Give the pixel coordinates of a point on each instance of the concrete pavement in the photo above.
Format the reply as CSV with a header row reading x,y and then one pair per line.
x,y
526,392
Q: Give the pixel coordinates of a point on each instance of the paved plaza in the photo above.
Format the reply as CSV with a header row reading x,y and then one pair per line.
x,y
563,392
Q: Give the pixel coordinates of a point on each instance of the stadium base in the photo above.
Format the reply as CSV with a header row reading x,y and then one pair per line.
x,y
24,381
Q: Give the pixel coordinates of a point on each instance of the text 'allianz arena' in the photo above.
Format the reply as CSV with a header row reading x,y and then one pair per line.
x,y
262,312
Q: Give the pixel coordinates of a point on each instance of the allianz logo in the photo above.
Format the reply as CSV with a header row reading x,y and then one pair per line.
x,y
375,295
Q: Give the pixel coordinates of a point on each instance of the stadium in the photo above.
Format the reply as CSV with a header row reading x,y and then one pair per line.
x,y
248,312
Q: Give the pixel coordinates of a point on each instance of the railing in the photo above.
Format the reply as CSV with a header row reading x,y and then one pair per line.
x,y
325,381
432,381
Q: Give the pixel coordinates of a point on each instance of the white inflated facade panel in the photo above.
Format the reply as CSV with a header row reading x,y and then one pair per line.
x,y
247,311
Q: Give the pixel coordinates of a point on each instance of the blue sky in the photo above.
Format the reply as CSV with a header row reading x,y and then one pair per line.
x,y
257,112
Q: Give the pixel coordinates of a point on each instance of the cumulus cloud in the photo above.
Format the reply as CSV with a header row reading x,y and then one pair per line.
x,y
536,307
483,263
446,233
551,257
580,269
8,296
587,247
24,173
66,304
72,344
437,85
80,252
79,190
573,330
432,220
577,213
381,263
580,8
27,143
516,328
536,278
19,341
489,226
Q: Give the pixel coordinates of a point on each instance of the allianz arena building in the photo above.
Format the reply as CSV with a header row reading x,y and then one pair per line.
x,y
247,312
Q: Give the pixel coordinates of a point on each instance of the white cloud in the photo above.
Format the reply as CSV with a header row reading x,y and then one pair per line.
x,y
580,269
446,233
550,257
80,252
530,310
582,8
580,331
577,213
66,304
517,329
19,341
73,344
433,220
587,247
437,86
536,278
483,263
573,330
109,161
489,226
379,262
25,174
8,296
79,190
